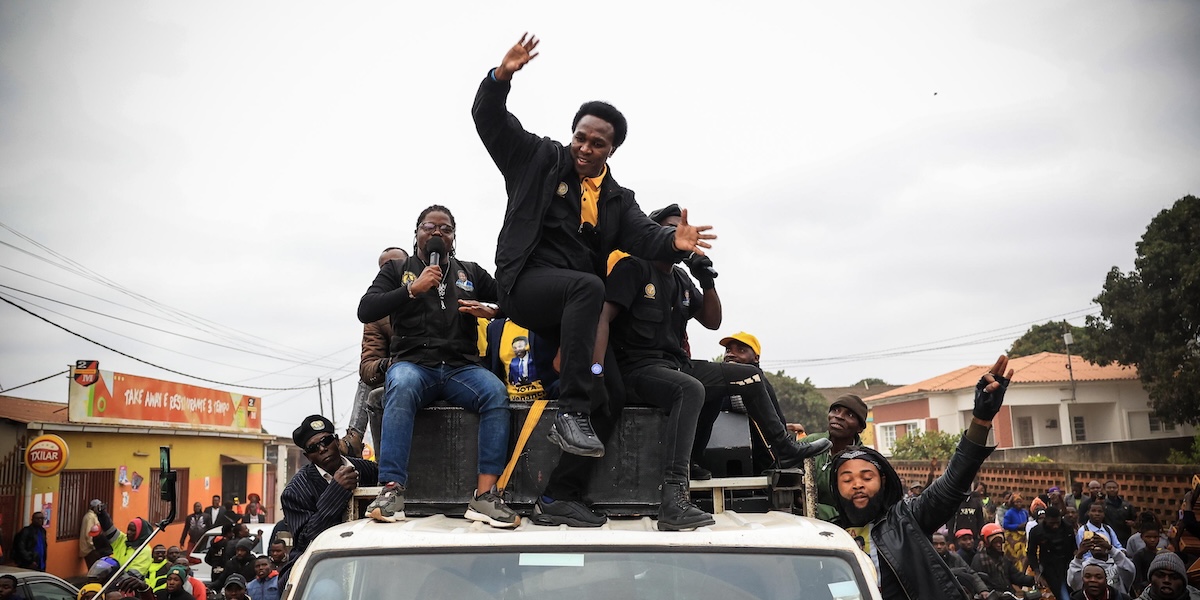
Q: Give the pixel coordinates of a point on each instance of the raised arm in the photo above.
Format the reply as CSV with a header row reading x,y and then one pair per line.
x,y
509,145
937,503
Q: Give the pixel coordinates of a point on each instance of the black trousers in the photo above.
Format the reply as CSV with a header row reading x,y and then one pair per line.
x,y
564,307
724,379
569,479
680,395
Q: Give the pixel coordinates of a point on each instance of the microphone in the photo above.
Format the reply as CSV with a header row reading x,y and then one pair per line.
x,y
435,248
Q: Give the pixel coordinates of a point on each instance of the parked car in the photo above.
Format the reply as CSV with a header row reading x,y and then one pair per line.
x,y
767,556
202,570
36,585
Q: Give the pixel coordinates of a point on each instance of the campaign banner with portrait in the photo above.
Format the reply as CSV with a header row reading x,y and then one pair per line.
x,y
108,398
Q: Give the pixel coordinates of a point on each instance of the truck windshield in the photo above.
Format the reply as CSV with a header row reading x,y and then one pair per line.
x,y
582,576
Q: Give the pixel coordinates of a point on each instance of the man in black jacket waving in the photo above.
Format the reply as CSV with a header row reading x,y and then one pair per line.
x,y
871,499
565,214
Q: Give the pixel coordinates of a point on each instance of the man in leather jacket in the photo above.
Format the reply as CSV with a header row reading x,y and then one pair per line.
x,y
871,499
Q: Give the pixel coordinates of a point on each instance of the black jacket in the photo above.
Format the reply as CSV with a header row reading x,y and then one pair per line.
x,y
533,167
423,332
909,566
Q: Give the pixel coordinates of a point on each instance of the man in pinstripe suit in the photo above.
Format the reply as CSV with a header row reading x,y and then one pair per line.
x,y
315,499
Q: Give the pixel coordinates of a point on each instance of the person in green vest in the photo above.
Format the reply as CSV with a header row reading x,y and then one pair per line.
x,y
847,420
156,577
126,544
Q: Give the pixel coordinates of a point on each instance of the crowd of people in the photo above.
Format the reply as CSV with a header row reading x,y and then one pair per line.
x,y
1042,550
124,564
589,307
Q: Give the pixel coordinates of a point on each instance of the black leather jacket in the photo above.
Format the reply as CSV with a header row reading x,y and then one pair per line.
x,y
909,566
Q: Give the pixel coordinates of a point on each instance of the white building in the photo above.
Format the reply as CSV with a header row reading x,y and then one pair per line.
x,y
1042,407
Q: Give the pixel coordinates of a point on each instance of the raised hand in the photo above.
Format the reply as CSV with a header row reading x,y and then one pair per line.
x,y
521,53
702,269
691,238
989,392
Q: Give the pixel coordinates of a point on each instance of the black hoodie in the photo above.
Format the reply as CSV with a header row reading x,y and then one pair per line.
x,y
909,567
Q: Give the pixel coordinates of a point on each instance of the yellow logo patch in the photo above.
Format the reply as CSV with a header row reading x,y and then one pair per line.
x,y
650,291
408,277
562,189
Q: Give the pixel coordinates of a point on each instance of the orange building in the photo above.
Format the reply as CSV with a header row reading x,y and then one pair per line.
x,y
113,456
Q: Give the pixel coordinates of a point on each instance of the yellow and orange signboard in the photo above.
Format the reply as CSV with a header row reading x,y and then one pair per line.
x,y
46,455
109,398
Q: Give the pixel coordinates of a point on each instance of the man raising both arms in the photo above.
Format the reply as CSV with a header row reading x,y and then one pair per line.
x,y
565,214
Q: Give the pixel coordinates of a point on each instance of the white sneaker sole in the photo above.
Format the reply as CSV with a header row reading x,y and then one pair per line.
x,y
474,515
377,514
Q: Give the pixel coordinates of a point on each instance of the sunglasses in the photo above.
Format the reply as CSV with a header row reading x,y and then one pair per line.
x,y
321,444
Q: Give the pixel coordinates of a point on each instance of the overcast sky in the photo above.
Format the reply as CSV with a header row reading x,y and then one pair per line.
x,y
881,175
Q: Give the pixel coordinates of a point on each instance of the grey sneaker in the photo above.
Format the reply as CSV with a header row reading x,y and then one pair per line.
x,y
489,508
388,506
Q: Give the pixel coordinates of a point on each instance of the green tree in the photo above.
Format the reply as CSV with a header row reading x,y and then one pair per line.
x,y
1048,337
925,445
1191,457
1150,317
800,401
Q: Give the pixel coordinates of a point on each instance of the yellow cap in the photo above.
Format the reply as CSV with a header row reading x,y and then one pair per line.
x,y
744,338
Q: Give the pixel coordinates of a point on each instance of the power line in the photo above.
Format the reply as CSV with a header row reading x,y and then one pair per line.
x,y
919,348
34,381
160,330
180,317
146,362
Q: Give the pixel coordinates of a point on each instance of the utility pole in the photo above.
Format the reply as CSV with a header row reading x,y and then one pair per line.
x,y
332,411
1068,339
320,398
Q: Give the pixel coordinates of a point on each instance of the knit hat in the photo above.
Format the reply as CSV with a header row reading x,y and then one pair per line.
x,y
179,570
1169,561
310,426
744,338
853,404
246,543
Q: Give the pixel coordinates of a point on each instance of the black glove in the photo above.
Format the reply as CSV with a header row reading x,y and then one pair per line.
x,y
702,269
987,404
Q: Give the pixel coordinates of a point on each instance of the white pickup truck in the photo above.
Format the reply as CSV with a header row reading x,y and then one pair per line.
x,y
768,556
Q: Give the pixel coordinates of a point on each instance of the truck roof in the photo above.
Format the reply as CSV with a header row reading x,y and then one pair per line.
x,y
732,530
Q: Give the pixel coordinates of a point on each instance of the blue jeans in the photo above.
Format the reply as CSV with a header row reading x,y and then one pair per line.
x,y
410,387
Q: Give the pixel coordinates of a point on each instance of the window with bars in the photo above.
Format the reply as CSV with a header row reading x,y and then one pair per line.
x,y
158,508
1079,429
77,488
1158,425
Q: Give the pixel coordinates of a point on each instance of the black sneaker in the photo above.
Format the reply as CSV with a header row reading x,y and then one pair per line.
x,y
791,454
699,473
574,434
566,512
